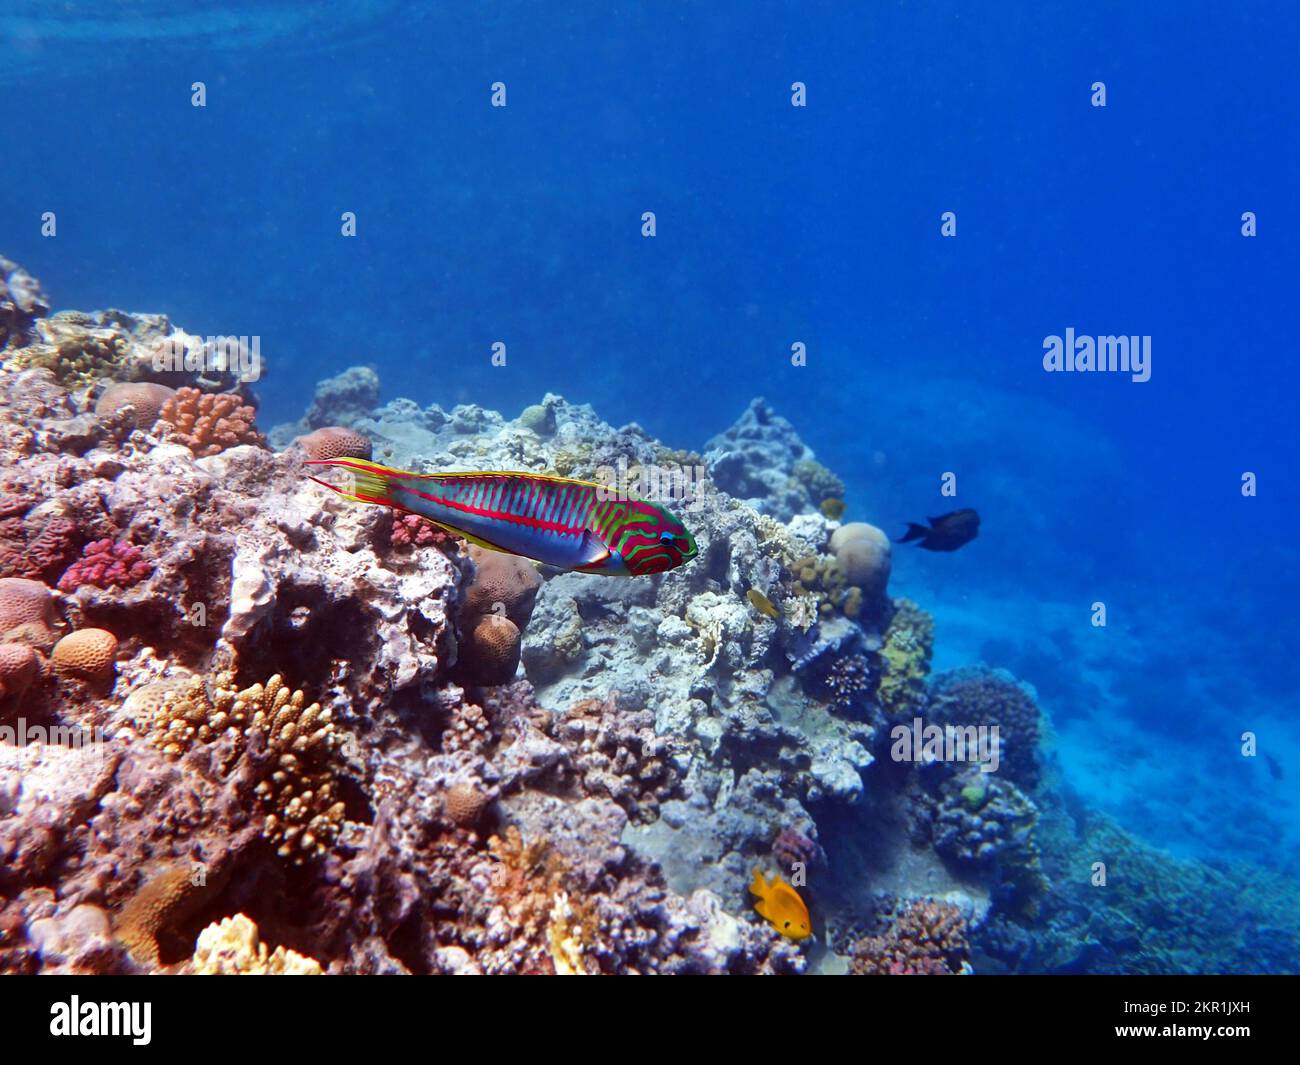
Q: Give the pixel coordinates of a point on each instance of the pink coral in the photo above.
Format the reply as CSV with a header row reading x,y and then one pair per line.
x,y
411,530
105,565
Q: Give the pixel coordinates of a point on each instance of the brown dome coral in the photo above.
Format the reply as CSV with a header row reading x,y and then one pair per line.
x,y
491,651
335,442
505,579
145,398
26,612
208,423
86,654
497,607
19,666
465,804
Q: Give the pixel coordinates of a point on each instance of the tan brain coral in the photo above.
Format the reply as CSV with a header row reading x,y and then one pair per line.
x,y
465,804
87,654
208,423
145,398
490,655
26,608
19,667
505,579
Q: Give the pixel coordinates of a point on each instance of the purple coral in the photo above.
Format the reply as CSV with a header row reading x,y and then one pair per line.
x,y
106,564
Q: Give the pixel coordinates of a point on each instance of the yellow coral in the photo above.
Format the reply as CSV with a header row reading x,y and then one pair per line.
x,y
565,936
908,645
75,350
233,947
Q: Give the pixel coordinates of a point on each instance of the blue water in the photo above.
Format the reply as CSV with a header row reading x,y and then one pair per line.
x,y
777,224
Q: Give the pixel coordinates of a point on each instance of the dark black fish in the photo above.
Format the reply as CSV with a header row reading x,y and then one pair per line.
x,y
1274,767
946,533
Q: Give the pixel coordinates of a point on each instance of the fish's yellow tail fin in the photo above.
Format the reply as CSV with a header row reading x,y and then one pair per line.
x,y
363,481
758,886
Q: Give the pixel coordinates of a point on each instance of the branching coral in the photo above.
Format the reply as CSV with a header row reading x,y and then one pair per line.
x,y
905,656
233,947
926,939
106,564
298,790
208,423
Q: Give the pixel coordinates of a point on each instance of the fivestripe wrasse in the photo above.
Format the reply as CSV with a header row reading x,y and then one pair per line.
x,y
572,525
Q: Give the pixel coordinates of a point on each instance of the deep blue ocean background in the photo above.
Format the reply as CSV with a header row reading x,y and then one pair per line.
x,y
775,225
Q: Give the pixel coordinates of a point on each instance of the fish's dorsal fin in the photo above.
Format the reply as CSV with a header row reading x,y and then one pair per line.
x,y
448,475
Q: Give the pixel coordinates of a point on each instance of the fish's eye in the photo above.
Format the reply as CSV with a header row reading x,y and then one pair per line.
x,y
787,924
666,537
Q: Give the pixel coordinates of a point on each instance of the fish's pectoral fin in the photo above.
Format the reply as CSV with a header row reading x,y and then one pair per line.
x,y
594,552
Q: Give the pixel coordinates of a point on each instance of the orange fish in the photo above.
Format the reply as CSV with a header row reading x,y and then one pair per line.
x,y
780,905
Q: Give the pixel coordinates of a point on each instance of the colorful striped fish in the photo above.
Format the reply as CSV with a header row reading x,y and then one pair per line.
x,y
564,523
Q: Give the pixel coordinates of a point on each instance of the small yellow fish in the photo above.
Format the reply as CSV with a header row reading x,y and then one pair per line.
x,y
763,604
780,905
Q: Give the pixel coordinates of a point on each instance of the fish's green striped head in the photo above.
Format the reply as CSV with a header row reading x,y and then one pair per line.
x,y
642,537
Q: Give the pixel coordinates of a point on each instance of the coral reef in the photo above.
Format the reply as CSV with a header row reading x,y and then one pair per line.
x,y
431,809
988,823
